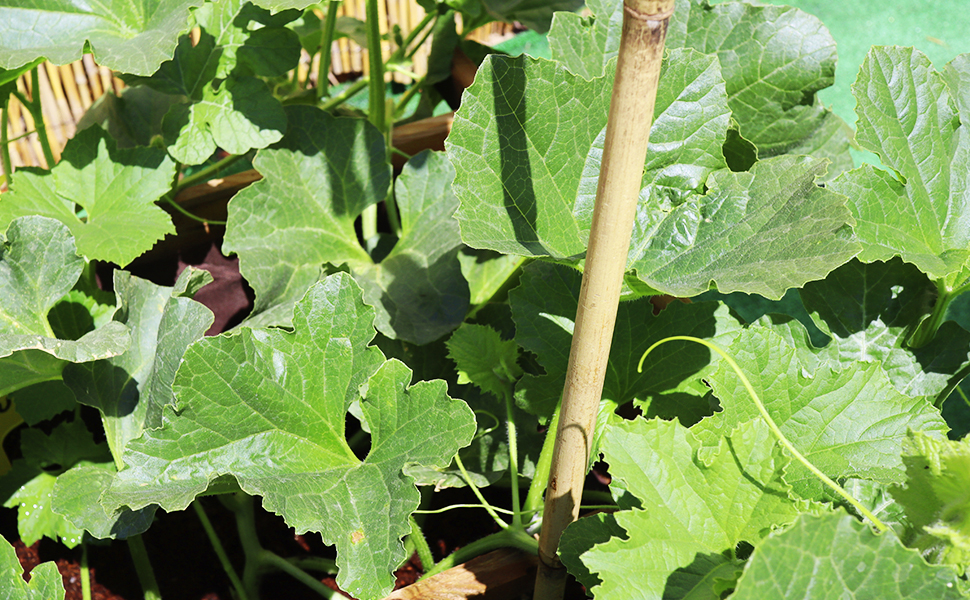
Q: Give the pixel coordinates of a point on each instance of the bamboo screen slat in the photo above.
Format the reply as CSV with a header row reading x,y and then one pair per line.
x,y
67,91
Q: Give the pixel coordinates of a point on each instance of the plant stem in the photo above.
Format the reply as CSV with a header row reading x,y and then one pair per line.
x,y
507,538
624,154
774,427
207,173
85,572
220,551
5,162
281,564
37,112
351,91
533,501
513,455
143,567
323,68
179,208
241,504
314,563
420,544
478,494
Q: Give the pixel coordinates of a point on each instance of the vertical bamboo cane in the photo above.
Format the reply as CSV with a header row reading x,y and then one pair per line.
x,y
624,154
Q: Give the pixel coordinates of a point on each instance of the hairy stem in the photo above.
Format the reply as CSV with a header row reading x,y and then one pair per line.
x,y
85,572
533,501
220,551
37,112
323,68
143,567
420,544
507,538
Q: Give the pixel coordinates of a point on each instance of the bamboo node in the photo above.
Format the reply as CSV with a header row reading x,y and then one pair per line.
x,y
644,16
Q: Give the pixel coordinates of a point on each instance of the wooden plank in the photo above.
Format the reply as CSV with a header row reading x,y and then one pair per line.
x,y
504,574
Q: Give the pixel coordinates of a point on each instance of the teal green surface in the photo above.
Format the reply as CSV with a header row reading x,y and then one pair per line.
x,y
938,28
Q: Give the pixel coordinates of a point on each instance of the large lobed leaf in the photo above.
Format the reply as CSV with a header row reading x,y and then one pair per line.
x,y
291,227
761,232
848,422
38,266
269,408
871,309
689,502
773,58
128,36
117,188
836,556
915,119
528,139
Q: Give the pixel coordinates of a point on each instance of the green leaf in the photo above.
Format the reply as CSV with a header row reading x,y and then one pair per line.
x,y
848,423
131,390
45,580
418,288
532,14
485,359
116,187
128,36
836,556
527,144
268,408
38,266
691,502
43,401
132,118
300,216
761,232
921,211
773,58
870,310
935,499
45,457
242,114
544,306
75,496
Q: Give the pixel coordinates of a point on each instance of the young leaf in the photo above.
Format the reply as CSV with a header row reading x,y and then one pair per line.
x,y
128,36
690,502
871,309
38,265
935,499
116,187
45,457
268,408
544,306
836,556
528,139
45,580
848,422
760,232
921,212
130,390
485,359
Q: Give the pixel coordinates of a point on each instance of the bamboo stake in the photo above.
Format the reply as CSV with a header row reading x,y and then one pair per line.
x,y
627,134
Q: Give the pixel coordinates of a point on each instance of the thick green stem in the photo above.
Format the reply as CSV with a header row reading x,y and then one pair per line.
x,y
37,112
513,456
85,573
534,499
351,91
314,563
420,544
838,489
220,551
207,173
143,567
507,538
323,68
5,163
279,563
478,494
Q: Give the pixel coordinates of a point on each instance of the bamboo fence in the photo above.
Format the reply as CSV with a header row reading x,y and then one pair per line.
x,y
68,91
